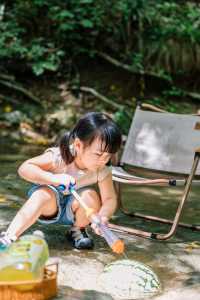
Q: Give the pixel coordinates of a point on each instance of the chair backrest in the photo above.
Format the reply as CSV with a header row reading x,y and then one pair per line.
x,y
162,141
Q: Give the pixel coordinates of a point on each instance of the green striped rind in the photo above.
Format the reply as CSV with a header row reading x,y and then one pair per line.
x,y
129,279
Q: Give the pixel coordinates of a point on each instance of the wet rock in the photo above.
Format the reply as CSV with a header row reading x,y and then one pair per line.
x,y
63,117
79,272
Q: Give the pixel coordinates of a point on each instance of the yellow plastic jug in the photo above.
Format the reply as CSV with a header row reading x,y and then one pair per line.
x,y
24,259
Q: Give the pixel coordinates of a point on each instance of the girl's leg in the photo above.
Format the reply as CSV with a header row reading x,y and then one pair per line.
x,y
77,234
92,200
41,202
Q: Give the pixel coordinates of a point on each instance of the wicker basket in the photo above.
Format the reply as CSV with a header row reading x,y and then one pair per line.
x,y
41,290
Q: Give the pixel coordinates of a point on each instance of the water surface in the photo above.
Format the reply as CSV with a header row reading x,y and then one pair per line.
x,y
176,264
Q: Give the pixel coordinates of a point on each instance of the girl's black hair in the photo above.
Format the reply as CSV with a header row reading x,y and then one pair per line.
x,y
91,126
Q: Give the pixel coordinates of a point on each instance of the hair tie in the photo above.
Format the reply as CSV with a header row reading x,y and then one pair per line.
x,y
72,150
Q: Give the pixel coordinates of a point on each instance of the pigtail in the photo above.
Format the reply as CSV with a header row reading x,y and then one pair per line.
x,y
91,126
64,146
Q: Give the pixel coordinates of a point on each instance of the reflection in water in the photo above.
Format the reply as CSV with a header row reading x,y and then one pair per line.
x,y
177,268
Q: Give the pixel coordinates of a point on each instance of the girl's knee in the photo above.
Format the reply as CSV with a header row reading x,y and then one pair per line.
x,y
92,199
44,201
43,193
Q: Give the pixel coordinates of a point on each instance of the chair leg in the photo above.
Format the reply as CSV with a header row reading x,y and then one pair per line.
x,y
175,223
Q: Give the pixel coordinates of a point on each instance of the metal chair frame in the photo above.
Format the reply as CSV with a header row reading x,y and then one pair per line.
x,y
122,177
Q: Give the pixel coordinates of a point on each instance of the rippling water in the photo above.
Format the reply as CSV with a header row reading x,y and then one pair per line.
x,y
176,264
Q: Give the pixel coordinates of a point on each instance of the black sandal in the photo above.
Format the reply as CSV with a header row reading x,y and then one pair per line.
x,y
80,238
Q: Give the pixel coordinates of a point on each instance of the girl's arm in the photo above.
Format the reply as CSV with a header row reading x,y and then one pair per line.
x,y
38,170
108,197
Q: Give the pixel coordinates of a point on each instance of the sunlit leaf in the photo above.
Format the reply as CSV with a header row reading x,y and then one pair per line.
x,y
87,23
2,198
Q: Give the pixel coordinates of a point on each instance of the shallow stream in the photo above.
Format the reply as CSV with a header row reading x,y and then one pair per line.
x,y
176,262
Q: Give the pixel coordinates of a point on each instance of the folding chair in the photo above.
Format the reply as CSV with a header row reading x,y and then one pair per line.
x,y
160,143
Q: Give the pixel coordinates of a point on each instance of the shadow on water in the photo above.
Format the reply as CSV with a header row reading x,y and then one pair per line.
x,y
71,294
176,262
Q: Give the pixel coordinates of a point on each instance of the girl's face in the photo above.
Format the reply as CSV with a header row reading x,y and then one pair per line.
x,y
91,157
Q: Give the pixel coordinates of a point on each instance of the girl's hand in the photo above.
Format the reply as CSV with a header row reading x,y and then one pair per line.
x,y
102,220
63,179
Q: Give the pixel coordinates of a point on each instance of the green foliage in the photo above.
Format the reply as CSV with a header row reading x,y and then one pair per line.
x,y
123,120
169,19
43,34
173,92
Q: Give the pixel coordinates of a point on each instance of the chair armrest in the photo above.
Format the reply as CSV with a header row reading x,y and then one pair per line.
x,y
197,150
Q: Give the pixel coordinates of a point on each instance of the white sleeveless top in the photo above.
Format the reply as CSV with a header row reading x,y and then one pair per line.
x,y
83,178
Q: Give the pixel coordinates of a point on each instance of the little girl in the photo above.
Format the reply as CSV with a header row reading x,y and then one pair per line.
x,y
81,158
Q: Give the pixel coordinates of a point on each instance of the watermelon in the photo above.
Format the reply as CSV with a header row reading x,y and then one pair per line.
x,y
129,279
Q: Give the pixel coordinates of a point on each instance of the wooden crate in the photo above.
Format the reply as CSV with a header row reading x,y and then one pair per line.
x,y
36,290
